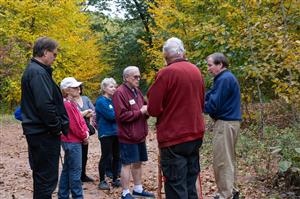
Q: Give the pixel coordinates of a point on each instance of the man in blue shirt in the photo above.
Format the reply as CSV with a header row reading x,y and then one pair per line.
x,y
223,104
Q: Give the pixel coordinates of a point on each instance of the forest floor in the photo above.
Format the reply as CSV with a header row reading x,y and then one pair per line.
x,y
16,179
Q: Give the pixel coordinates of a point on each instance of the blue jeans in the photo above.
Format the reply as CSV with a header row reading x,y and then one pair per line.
x,y
71,173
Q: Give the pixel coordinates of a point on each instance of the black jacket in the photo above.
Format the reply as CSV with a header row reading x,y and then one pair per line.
x,y
42,104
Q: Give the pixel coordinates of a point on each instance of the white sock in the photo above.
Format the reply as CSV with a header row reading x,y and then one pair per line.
x,y
125,191
138,188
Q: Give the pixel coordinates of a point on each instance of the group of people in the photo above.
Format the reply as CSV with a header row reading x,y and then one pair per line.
x,y
55,116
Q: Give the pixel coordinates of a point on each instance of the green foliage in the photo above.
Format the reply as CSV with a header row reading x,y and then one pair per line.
x,y
119,44
287,147
260,38
278,145
284,165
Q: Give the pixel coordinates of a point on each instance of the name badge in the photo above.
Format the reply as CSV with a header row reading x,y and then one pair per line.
x,y
110,106
131,102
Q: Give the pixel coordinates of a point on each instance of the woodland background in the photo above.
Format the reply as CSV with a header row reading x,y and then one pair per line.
x,y
260,37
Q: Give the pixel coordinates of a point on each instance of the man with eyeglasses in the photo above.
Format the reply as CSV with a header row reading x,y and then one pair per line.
x,y
44,117
131,117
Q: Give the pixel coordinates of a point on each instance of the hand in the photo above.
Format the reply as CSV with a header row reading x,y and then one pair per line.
x,y
87,113
144,109
90,113
85,141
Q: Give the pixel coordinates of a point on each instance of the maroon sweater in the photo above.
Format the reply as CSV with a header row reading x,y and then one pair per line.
x,y
176,98
132,124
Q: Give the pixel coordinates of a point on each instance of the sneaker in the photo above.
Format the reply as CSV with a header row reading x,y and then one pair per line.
x,y
86,179
103,185
128,196
116,183
235,195
144,194
216,196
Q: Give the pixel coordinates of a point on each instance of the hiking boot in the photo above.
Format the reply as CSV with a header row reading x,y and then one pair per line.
x,y
143,194
116,183
235,194
103,185
128,196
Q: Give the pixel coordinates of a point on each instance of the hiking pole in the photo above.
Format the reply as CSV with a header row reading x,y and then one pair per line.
x,y
159,186
200,187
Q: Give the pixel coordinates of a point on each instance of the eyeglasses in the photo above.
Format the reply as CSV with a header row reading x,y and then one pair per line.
x,y
137,77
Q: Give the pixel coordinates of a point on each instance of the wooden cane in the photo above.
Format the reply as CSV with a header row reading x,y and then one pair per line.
x,y
159,186
200,187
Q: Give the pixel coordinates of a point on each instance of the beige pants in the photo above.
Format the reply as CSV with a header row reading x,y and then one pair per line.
x,y
224,163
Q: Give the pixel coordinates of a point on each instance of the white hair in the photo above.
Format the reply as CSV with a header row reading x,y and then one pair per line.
x,y
128,70
105,82
173,47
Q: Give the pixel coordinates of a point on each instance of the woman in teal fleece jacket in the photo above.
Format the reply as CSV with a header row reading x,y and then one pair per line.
x,y
107,133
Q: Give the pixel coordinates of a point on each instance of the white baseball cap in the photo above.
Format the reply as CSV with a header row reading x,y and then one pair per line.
x,y
69,82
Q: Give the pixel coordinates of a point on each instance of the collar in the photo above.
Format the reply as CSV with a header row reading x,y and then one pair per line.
x,y
46,67
107,98
133,90
177,60
218,75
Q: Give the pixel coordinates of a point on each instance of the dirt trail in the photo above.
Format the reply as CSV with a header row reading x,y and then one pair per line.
x,y
16,179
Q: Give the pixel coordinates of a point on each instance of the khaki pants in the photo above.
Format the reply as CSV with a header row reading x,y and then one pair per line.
x,y
224,163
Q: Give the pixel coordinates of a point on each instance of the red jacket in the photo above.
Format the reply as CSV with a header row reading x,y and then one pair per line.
x,y
77,127
176,98
132,124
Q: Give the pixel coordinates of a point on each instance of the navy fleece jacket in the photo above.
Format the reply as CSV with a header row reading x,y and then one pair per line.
x,y
223,101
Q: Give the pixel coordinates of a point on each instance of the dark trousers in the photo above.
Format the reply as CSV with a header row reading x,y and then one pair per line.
x,y
85,150
180,166
109,148
44,150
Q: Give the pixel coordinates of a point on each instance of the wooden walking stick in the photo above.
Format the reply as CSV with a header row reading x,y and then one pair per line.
x,y
199,191
159,173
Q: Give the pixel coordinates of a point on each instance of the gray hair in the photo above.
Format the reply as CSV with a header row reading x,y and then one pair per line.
x,y
128,70
173,47
105,82
219,58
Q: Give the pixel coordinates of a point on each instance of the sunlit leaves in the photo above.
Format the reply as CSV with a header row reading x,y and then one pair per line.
x,y
22,22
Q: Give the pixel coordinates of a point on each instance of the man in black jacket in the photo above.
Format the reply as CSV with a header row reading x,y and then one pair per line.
x,y
44,117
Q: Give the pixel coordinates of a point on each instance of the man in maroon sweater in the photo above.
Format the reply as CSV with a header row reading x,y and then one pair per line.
x,y
130,110
176,98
